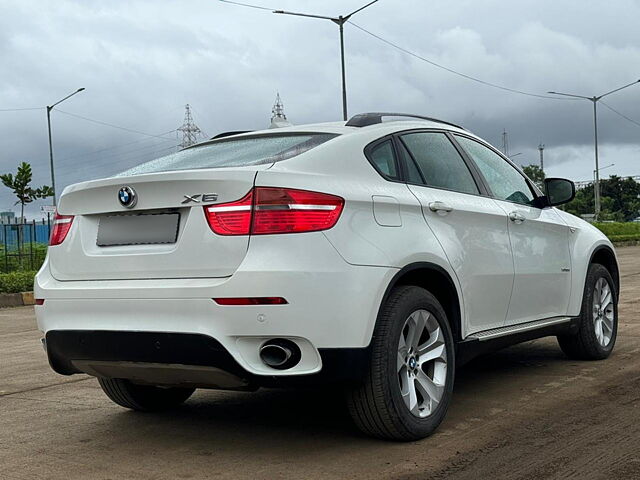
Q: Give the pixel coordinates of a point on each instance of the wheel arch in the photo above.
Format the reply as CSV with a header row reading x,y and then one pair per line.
x,y
438,282
605,256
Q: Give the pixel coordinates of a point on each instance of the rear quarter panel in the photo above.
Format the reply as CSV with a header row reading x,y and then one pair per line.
x,y
340,168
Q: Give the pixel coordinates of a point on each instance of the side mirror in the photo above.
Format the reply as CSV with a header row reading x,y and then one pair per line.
x,y
559,191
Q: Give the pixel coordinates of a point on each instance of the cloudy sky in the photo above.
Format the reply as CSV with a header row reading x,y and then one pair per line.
x,y
142,61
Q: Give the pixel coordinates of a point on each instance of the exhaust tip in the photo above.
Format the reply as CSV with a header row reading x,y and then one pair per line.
x,y
280,354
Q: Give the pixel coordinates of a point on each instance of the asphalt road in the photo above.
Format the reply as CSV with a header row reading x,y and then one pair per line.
x,y
523,412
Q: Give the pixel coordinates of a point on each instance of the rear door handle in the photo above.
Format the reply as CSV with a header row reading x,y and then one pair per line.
x,y
516,217
440,207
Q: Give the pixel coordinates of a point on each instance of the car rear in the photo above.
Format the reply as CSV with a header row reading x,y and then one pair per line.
x,y
192,269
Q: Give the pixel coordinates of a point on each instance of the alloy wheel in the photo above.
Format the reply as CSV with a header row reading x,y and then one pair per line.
x,y
422,363
603,311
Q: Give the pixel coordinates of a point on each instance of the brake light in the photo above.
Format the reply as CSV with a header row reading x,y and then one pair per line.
x,y
61,227
232,218
272,210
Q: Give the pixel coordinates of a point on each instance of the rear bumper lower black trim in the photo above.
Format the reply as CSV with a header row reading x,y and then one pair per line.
x,y
65,346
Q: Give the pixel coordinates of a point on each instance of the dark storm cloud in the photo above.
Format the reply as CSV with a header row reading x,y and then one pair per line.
x,y
141,61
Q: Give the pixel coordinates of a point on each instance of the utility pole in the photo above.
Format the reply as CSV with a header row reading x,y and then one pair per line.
x,y
49,109
541,149
595,99
189,129
505,143
340,21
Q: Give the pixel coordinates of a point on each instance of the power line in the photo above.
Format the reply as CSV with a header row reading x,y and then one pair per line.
x,y
450,70
621,114
20,109
431,62
247,5
94,152
115,154
121,164
110,124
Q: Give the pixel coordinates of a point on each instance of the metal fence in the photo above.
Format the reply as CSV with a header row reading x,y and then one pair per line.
x,y
24,245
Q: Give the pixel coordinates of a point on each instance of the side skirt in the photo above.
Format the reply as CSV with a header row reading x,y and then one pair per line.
x,y
495,339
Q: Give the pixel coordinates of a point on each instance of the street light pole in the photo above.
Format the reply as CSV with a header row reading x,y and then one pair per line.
x,y
600,169
344,75
595,100
340,21
53,177
596,186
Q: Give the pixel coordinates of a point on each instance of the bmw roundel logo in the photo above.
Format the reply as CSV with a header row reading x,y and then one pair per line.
x,y
127,197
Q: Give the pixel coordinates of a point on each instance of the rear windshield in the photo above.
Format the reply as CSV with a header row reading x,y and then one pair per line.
x,y
241,152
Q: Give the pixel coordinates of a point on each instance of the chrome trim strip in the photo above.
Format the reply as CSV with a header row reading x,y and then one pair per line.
x,y
512,329
232,208
291,206
296,206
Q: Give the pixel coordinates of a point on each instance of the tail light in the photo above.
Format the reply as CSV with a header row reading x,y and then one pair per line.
x,y
271,210
231,218
61,227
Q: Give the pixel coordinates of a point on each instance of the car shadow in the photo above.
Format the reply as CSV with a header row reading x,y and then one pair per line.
x,y
314,417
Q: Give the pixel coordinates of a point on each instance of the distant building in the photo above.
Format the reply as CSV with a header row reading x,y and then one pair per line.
x,y
7,217
278,118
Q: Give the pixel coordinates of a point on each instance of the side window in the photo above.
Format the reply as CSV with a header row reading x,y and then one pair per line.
x,y
505,182
439,162
411,170
383,159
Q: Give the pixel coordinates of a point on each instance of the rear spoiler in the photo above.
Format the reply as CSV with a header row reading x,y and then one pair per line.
x,y
230,133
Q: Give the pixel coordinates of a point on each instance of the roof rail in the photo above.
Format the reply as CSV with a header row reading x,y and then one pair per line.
x,y
228,134
371,118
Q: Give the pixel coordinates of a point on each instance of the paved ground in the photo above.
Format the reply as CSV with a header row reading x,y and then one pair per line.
x,y
524,412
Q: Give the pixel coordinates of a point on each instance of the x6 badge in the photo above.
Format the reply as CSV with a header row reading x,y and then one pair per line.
x,y
200,198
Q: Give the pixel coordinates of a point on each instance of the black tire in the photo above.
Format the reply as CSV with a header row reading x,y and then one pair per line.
x,y
584,345
376,404
145,398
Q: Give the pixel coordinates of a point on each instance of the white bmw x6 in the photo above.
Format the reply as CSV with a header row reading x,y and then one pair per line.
x,y
373,255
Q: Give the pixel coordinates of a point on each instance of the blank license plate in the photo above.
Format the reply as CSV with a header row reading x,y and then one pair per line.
x,y
138,229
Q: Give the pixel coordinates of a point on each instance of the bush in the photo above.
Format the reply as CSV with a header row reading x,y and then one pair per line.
x,y
16,282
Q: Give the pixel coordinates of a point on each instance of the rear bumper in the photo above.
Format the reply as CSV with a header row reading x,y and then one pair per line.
x,y
140,353
332,305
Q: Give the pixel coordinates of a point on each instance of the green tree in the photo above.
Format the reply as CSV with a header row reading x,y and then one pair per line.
x,y
620,200
535,173
582,203
624,193
20,184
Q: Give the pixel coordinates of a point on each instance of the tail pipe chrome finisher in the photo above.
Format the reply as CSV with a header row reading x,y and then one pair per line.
x,y
280,354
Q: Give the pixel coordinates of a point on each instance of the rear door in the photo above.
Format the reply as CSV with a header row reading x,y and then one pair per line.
x,y
539,238
471,228
109,241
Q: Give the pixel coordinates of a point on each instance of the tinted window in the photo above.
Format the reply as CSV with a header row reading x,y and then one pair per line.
x,y
241,152
505,182
384,159
439,162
